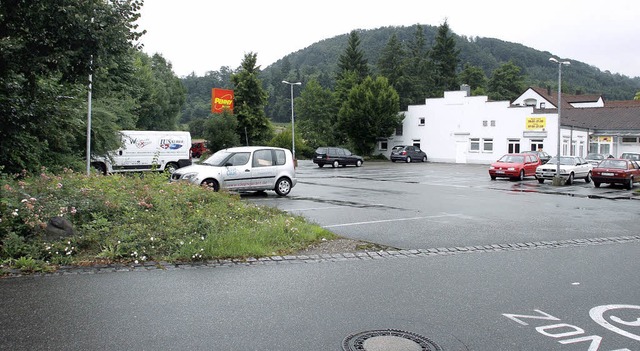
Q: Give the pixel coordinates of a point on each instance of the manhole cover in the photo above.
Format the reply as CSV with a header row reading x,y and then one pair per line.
x,y
388,340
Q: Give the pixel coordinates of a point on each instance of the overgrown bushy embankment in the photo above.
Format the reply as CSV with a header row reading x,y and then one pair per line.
x,y
135,218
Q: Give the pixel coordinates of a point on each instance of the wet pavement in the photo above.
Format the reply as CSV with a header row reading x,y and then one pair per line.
x,y
479,265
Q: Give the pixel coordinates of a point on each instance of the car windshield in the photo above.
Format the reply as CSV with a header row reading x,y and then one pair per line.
x,y
618,164
217,158
511,159
567,161
595,157
635,157
225,158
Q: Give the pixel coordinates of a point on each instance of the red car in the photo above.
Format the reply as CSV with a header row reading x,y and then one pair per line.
x,y
514,166
198,148
616,171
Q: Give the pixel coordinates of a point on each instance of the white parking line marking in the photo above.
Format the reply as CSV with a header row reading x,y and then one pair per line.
x,y
388,220
313,208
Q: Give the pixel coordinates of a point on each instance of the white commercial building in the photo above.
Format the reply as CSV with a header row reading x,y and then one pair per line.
x,y
460,128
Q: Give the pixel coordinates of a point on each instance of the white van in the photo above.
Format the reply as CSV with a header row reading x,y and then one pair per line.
x,y
144,150
246,168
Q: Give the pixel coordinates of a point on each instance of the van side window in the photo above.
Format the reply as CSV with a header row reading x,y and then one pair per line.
x,y
262,158
238,159
281,157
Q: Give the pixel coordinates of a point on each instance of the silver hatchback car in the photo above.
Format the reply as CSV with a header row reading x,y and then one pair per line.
x,y
248,168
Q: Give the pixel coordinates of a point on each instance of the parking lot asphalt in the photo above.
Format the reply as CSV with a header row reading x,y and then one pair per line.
x,y
481,265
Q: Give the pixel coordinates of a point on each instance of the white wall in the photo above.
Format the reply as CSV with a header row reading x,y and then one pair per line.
x,y
451,121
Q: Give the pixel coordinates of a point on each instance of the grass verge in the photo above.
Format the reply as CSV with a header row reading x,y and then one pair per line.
x,y
136,218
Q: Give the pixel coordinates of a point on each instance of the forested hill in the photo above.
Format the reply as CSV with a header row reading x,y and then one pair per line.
x,y
320,60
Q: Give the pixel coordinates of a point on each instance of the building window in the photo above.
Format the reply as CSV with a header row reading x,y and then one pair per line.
x,y
383,145
474,144
629,139
514,146
416,143
485,123
487,145
399,130
421,121
542,105
537,144
493,123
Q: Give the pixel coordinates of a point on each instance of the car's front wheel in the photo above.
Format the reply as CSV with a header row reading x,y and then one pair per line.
x,y
358,163
629,184
335,164
211,183
521,177
570,179
596,184
283,186
320,165
587,179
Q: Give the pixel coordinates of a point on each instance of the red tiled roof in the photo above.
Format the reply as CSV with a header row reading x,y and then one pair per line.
x,y
567,99
622,103
608,117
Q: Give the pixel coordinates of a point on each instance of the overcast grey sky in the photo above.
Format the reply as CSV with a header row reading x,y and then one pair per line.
x,y
204,35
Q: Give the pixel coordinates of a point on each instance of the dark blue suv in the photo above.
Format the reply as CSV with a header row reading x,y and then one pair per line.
x,y
336,156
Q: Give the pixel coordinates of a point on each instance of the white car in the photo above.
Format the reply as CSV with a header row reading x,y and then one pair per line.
x,y
571,168
249,168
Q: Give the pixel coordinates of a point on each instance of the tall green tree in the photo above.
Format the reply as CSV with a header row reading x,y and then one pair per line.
x,y
47,50
163,95
370,112
445,57
249,101
392,65
220,131
419,67
475,78
352,59
316,113
506,82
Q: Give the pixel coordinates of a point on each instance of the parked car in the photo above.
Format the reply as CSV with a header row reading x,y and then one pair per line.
x,y
594,159
571,167
616,171
543,156
631,156
336,156
514,166
198,148
248,168
407,153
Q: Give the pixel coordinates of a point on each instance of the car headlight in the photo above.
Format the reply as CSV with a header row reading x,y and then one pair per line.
x,y
189,176
491,167
511,168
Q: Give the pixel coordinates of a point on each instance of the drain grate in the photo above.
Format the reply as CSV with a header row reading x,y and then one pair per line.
x,y
388,339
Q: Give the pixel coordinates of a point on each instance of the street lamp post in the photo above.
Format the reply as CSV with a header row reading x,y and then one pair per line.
x,y
293,135
557,179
